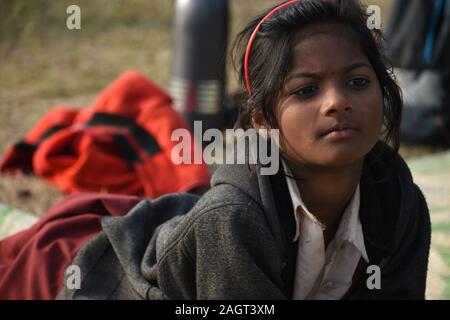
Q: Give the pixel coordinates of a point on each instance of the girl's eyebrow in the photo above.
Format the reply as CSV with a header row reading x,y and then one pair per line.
x,y
308,74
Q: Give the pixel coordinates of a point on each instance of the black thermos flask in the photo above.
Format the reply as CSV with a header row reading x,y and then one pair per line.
x,y
199,59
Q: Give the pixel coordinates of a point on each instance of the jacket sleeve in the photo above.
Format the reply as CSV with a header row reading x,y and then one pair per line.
x,y
223,253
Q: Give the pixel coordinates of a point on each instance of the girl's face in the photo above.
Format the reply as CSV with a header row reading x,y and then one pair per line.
x,y
331,107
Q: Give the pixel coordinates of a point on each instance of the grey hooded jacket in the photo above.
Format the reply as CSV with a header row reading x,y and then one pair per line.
x,y
235,242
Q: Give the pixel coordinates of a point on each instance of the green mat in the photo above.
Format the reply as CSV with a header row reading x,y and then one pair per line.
x,y
14,220
432,174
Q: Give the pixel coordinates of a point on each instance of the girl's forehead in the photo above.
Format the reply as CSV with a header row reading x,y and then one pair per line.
x,y
326,43
333,28
325,55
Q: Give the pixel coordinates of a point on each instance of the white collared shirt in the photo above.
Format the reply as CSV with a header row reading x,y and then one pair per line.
x,y
325,274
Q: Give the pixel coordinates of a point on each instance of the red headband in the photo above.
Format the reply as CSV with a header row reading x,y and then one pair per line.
x,y
252,38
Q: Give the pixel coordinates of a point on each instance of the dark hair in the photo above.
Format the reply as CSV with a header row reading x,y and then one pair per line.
x,y
271,54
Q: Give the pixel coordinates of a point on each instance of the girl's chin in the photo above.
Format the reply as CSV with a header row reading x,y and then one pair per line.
x,y
342,163
329,161
339,158
327,156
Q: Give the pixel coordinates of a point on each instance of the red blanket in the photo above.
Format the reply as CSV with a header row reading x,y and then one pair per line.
x,y
33,262
119,145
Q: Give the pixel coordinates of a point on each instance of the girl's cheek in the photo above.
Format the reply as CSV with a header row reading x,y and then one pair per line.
x,y
375,115
373,102
378,107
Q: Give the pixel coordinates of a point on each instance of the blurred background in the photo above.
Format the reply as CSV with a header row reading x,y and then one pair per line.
x,y
43,64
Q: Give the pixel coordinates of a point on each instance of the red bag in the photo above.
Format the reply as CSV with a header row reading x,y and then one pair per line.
x,y
120,145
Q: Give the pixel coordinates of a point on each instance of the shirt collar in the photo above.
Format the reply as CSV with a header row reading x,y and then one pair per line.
x,y
349,230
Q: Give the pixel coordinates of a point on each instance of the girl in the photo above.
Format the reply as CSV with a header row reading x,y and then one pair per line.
x,y
342,218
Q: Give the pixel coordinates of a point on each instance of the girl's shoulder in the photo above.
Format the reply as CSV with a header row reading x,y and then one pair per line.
x,y
221,202
224,215
223,207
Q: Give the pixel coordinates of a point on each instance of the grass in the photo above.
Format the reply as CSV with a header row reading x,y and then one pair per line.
x,y
446,279
442,227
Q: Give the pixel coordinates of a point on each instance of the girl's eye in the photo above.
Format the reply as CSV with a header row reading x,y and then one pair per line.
x,y
359,83
306,91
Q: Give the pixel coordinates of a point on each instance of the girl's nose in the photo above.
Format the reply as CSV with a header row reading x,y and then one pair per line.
x,y
335,102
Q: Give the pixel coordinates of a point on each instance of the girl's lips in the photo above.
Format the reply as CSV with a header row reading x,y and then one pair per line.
x,y
341,130
341,134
